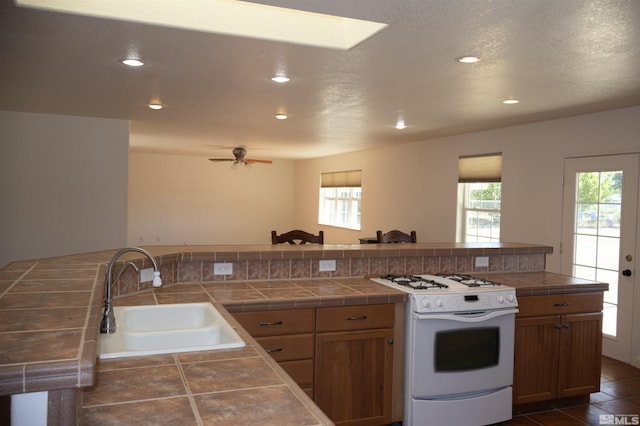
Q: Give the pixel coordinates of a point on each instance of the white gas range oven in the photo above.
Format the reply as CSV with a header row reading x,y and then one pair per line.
x,y
459,337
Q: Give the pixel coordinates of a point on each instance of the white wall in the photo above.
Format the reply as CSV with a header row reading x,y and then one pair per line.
x,y
413,186
63,182
177,199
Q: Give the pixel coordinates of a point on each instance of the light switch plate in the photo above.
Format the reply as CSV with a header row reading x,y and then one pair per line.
x,y
146,275
327,265
482,261
224,268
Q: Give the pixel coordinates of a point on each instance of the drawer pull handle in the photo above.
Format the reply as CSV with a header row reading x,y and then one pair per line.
x,y
273,350
361,317
266,324
559,305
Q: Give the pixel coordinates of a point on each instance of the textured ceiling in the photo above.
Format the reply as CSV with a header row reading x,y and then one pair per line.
x,y
558,57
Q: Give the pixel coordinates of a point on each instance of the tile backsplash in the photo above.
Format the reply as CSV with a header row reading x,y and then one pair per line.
x,y
178,271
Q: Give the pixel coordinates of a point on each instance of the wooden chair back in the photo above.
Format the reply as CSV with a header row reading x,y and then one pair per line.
x,y
297,237
396,236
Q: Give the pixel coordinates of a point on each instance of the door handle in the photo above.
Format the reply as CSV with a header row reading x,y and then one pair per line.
x,y
626,272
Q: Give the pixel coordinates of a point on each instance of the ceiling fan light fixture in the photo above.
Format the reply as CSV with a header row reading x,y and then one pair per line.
x,y
155,106
510,101
281,116
132,62
468,59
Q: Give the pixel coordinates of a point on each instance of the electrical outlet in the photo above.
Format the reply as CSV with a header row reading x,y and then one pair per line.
x,y
225,268
482,261
146,275
327,265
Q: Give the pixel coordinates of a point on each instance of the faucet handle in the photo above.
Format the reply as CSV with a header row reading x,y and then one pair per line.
x,y
157,281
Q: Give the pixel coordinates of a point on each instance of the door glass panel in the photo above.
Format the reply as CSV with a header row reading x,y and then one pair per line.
x,y
597,235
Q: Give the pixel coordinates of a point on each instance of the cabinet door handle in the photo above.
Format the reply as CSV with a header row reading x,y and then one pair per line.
x,y
557,326
559,305
565,326
273,350
266,324
361,317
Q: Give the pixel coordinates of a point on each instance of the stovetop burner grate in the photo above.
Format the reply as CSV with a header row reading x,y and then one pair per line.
x,y
470,281
415,282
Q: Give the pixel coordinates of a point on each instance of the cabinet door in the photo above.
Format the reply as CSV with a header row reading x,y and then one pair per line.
x,y
353,376
536,359
580,349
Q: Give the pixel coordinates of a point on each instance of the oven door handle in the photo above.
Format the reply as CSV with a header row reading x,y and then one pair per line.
x,y
468,316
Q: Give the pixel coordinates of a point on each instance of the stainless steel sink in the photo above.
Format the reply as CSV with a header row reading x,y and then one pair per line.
x,y
159,329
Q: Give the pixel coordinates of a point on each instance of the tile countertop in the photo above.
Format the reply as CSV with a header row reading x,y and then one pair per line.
x,y
234,386
50,308
543,283
244,385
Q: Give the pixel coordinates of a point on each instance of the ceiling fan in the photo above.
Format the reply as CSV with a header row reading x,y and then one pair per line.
x,y
239,153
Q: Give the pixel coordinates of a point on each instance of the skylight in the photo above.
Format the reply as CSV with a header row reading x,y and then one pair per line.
x,y
230,17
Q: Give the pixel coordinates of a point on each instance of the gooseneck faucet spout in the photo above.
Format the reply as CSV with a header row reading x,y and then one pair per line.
x,y
108,323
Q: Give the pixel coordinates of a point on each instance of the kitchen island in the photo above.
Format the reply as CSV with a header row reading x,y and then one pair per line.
x,y
50,308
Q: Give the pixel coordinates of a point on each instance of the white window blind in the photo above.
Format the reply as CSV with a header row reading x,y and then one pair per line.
x,y
480,168
345,179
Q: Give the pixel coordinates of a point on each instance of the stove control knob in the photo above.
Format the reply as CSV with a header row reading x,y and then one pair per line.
x,y
438,303
511,298
500,299
425,303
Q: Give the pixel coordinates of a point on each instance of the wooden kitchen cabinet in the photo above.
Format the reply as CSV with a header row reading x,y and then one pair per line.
x,y
288,335
342,357
558,345
354,363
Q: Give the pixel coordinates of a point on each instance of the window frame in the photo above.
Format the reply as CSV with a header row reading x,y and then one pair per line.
x,y
334,213
464,190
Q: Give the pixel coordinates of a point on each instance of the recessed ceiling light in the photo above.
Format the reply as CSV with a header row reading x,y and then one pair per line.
x,y
400,124
510,101
280,78
132,62
468,59
282,116
155,105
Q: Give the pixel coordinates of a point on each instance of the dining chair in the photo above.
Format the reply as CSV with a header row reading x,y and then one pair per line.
x,y
396,236
301,237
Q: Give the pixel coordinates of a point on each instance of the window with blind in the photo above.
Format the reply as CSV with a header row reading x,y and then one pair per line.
x,y
340,199
479,198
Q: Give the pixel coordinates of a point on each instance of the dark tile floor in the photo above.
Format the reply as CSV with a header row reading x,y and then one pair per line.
x,y
619,394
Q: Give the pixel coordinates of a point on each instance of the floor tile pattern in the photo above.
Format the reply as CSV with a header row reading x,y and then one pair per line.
x,y
619,394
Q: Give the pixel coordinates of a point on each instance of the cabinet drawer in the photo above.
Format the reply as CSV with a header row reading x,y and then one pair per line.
x,y
272,323
360,317
558,304
300,371
288,347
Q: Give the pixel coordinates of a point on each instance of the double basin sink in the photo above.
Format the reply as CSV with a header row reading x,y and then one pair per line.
x,y
161,329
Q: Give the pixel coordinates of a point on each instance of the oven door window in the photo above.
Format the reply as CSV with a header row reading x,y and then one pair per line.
x,y
467,349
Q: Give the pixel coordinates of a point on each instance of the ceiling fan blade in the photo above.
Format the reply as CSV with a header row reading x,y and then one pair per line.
x,y
221,159
258,161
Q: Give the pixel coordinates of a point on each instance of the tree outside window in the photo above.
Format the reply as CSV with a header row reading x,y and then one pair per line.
x,y
481,211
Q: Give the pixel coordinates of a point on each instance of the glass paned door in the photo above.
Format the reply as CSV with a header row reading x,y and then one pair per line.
x,y
597,235
599,241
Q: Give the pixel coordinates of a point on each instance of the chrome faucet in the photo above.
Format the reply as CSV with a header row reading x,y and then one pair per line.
x,y
108,323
